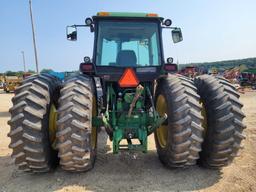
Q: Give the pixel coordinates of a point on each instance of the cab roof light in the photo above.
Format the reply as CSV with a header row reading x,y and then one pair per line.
x,y
152,15
126,14
103,14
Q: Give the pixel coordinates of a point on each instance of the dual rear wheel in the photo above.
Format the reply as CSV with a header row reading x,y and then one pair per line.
x,y
41,136
204,121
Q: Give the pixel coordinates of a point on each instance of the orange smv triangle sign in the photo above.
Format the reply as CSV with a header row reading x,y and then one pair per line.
x,y
128,79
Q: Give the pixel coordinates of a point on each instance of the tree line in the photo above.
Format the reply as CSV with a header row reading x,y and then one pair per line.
x,y
20,73
248,62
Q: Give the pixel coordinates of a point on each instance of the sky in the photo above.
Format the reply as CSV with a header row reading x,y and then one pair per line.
x,y
212,30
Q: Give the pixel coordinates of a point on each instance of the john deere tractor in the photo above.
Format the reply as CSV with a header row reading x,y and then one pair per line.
x,y
129,89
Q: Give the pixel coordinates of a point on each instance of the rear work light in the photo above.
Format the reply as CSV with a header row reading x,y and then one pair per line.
x,y
128,79
86,67
171,68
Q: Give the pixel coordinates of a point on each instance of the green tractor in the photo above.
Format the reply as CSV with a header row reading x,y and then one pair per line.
x,y
129,89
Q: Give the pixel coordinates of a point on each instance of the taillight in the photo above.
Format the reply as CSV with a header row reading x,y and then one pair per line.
x,y
171,68
86,67
128,79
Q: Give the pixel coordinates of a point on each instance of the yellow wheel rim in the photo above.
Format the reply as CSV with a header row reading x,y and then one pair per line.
x,y
94,129
162,131
204,114
53,124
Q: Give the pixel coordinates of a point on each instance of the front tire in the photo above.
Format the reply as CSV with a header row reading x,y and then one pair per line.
x,y
178,141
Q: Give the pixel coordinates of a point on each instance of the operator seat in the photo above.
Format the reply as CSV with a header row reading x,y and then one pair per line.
x,y
126,58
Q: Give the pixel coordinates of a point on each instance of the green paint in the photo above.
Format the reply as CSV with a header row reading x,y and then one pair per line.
x,y
138,126
128,97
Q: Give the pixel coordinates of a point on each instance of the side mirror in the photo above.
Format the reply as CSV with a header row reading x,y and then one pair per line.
x,y
177,35
71,33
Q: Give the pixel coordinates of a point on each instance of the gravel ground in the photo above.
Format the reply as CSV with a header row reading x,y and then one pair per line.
x,y
133,172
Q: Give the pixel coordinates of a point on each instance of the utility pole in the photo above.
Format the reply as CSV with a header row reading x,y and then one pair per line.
x,y
34,38
24,62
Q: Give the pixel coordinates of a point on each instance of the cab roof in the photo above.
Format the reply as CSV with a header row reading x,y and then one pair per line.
x,y
127,15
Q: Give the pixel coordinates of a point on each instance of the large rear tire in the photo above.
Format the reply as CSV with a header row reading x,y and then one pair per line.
x,y
29,123
223,121
76,138
178,141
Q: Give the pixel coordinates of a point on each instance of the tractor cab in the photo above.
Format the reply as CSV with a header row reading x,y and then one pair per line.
x,y
126,40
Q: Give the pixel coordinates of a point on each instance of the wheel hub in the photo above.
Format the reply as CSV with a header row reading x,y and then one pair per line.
x,y
53,125
161,132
